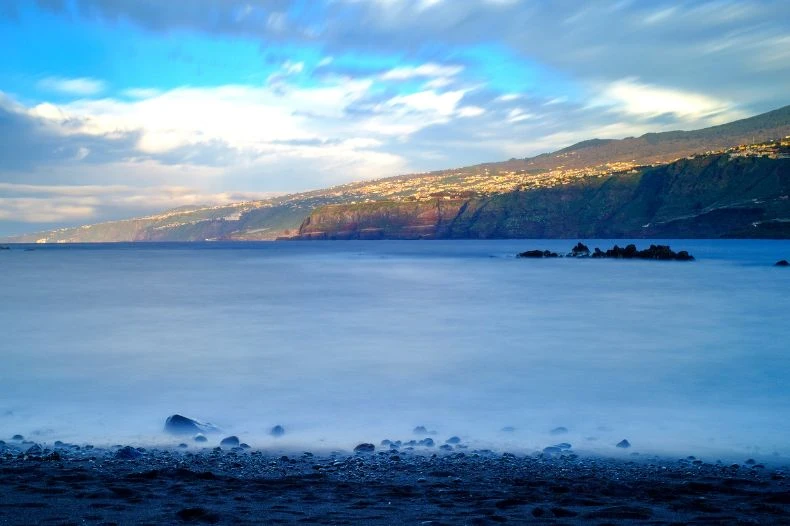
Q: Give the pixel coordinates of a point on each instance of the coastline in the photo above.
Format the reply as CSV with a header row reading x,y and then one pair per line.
x,y
84,485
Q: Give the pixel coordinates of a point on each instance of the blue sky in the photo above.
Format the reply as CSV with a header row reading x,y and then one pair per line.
x,y
116,108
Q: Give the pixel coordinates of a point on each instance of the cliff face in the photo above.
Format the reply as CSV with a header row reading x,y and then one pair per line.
x,y
710,196
382,220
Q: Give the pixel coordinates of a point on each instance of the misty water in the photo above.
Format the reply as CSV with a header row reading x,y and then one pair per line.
x,y
343,342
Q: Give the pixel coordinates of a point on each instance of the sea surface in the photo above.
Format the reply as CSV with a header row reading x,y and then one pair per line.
x,y
343,342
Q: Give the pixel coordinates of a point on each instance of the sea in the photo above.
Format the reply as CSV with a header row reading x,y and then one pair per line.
x,y
342,342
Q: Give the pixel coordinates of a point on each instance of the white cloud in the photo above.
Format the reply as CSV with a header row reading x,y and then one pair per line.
x,y
635,98
425,70
82,86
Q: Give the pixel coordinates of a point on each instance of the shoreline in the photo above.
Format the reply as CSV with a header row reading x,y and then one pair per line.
x,y
87,485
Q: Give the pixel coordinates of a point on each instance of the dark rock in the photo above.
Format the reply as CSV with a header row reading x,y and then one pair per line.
x,y
18,438
127,453
200,437
231,441
365,448
183,446
58,443
181,425
197,515
624,444
559,430
446,447
562,513
386,442
580,250
427,442
657,252
538,254
277,431
750,461
552,450
420,430
453,440
621,513
782,263
244,446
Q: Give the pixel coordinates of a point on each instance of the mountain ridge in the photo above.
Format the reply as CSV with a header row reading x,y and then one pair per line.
x,y
283,215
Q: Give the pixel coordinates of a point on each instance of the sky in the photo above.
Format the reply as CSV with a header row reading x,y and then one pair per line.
x,y
112,109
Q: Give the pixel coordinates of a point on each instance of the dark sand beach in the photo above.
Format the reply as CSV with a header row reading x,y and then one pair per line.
x,y
68,484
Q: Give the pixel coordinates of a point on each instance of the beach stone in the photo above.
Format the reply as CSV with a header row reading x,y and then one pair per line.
x,y
782,263
181,425
453,440
446,447
277,431
552,450
420,430
244,446
427,442
624,444
231,441
365,448
18,438
200,437
183,446
750,462
559,431
34,451
386,442
127,453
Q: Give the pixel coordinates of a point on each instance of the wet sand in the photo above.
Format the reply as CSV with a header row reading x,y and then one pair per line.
x,y
79,485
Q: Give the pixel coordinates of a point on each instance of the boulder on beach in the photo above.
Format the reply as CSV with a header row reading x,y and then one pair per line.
x,y
420,430
453,440
200,437
181,425
365,448
624,444
127,453
231,441
782,263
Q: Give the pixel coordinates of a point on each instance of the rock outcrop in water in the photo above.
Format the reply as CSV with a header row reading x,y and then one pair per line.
x,y
657,252
782,263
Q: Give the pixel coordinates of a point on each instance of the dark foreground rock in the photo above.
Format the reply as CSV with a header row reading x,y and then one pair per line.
x,y
388,487
782,263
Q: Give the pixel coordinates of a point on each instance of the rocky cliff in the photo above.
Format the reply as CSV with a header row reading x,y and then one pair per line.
x,y
705,197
